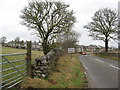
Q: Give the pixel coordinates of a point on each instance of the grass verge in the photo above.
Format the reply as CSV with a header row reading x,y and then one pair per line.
x,y
108,56
67,74
113,55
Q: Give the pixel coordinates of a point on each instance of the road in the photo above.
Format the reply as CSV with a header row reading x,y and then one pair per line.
x,y
101,72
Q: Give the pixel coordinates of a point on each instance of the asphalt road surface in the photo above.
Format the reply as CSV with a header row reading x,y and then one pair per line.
x,y
101,72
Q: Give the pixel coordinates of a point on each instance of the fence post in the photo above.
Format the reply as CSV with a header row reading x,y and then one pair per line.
x,y
28,59
0,67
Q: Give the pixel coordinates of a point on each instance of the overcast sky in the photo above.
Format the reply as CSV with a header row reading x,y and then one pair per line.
x,y
11,28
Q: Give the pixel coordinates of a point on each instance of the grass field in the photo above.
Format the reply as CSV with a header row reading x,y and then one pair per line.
x,y
67,74
8,50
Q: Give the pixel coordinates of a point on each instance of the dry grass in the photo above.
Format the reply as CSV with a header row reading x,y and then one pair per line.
x,y
35,83
68,74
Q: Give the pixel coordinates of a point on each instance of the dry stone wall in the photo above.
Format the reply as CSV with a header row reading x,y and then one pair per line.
x,y
43,66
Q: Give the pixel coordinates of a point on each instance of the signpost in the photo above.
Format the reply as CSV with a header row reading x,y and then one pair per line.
x,y
71,50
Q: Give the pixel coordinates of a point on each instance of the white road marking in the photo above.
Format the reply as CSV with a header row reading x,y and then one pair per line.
x,y
114,66
86,68
85,73
99,60
84,65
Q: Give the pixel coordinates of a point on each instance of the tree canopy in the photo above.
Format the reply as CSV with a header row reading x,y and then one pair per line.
x,y
3,40
103,26
48,19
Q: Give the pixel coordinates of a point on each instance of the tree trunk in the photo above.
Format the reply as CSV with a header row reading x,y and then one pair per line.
x,y
106,45
46,47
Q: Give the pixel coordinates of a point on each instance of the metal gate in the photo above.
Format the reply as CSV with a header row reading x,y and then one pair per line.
x,y
14,74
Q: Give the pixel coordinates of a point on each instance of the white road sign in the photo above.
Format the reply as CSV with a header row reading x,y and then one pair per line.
x,y
71,50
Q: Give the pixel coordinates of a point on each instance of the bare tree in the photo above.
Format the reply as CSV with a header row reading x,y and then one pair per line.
x,y
103,26
47,19
69,40
22,44
17,41
3,40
